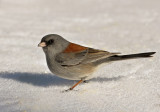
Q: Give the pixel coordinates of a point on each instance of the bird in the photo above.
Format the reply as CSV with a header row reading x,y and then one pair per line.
x,y
76,62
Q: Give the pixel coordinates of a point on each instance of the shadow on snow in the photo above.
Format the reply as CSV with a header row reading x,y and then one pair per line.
x,y
45,80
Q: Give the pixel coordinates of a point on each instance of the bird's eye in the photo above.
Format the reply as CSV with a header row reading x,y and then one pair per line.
x,y
50,42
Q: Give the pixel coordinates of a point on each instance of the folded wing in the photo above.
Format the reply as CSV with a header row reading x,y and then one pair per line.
x,y
82,57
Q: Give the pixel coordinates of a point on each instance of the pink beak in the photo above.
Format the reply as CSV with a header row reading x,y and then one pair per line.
x,y
42,44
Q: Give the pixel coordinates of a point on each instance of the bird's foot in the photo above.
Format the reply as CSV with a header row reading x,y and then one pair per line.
x,y
86,81
70,89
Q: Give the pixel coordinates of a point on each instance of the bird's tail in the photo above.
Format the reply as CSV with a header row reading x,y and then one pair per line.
x,y
131,56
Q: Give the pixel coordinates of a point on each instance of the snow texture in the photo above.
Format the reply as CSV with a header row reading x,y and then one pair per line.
x,y
126,26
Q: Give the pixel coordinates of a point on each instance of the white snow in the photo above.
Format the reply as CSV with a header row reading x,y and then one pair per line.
x,y
126,26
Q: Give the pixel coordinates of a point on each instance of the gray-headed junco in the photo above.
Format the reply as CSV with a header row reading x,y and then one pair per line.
x,y
75,62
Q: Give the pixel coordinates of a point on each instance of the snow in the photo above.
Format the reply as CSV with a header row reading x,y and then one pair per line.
x,y
132,26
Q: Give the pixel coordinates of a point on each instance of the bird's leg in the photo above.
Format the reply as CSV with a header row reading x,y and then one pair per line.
x,y
75,85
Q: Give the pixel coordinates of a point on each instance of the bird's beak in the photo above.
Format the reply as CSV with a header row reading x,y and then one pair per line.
x,y
42,44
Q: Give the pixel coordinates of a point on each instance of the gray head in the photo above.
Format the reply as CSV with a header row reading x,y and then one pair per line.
x,y
53,43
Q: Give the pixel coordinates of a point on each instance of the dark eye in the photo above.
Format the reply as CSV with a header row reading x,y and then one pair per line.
x,y
50,42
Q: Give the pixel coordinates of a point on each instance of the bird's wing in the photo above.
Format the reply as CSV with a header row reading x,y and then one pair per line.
x,y
95,55
82,55
70,59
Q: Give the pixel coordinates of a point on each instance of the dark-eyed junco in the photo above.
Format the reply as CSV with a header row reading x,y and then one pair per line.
x,y
75,62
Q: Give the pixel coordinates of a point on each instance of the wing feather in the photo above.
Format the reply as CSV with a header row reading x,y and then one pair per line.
x,y
82,57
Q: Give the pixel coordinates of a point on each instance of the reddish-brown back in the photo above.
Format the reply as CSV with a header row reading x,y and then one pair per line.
x,y
74,48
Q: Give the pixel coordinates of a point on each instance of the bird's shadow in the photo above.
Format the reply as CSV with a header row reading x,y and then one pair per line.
x,y
45,80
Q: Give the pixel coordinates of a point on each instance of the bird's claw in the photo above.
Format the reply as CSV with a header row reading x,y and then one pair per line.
x,y
67,90
85,81
70,89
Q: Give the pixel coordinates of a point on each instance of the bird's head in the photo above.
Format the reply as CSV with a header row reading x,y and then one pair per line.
x,y
53,43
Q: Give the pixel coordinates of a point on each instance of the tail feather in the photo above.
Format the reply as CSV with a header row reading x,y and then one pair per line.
x,y
132,56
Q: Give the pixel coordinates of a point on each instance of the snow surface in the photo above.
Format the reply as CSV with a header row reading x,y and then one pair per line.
x,y
126,26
